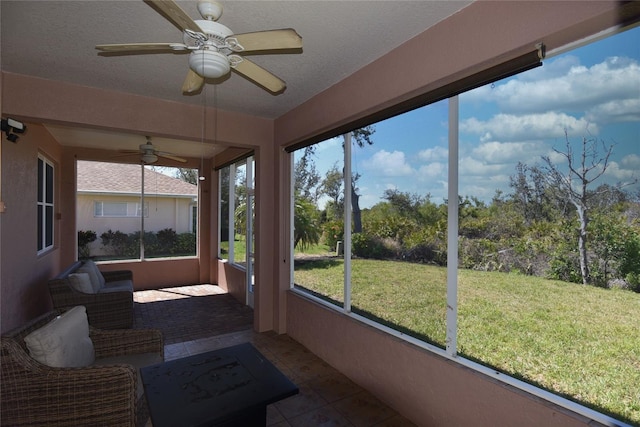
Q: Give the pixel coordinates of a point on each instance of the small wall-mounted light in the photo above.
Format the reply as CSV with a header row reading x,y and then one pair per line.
x,y
12,127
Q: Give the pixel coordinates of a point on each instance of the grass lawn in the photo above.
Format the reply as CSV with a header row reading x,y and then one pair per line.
x,y
579,342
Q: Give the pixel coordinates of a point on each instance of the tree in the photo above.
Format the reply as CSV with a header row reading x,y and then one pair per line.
x,y
361,137
530,197
589,165
187,175
306,229
306,176
331,186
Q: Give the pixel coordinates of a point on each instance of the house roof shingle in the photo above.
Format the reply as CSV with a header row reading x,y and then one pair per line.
x,y
126,178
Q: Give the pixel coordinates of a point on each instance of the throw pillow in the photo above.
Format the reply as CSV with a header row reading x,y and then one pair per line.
x,y
97,279
81,282
64,342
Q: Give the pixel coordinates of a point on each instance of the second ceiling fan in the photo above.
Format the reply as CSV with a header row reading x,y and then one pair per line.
x,y
215,49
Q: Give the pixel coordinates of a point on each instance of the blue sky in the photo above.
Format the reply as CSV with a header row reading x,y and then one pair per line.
x,y
592,91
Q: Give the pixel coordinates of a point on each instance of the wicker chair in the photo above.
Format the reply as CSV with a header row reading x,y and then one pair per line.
x,y
110,310
33,394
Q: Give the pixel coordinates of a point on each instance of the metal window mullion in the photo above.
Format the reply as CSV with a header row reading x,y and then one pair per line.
x,y
232,209
141,215
452,232
347,222
292,210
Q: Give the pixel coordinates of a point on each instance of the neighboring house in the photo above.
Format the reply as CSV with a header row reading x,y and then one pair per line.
x,y
109,198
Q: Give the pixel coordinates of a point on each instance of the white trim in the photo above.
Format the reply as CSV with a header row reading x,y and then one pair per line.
x,y
347,222
452,232
44,205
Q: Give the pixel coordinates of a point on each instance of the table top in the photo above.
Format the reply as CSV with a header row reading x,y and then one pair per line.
x,y
213,386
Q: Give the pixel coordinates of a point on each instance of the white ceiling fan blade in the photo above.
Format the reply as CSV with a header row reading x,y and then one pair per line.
x,y
135,47
170,156
260,76
175,14
286,38
193,82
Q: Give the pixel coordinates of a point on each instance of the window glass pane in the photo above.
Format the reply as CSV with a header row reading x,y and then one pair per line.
x,y
399,191
240,214
40,180
40,227
49,226
114,209
537,300
49,183
318,220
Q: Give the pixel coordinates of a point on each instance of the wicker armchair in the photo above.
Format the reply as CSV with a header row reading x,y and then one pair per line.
x,y
109,310
33,394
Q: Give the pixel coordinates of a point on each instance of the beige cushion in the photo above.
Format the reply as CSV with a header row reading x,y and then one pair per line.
x,y
64,342
97,279
81,282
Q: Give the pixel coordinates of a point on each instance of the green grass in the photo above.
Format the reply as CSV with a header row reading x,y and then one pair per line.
x,y
580,342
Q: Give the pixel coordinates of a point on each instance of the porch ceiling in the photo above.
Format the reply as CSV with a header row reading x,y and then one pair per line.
x,y
56,40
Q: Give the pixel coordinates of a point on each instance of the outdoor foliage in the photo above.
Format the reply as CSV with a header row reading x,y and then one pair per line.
x,y
84,239
536,230
165,242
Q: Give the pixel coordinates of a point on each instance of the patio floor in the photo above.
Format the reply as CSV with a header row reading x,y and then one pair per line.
x,y
200,318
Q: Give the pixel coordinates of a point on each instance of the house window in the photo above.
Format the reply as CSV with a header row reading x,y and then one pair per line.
x,y
119,209
456,228
45,204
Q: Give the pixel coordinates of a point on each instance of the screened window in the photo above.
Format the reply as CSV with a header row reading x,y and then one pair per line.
x,y
45,204
236,206
464,227
111,222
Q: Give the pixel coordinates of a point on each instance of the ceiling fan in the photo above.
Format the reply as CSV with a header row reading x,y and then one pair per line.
x,y
150,155
215,49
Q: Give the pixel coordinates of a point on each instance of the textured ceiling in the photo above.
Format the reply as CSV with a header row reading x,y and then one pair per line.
x,y
56,40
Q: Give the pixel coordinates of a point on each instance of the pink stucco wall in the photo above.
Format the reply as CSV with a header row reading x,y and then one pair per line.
x,y
425,388
23,273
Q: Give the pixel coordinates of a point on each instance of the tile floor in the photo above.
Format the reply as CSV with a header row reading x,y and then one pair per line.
x,y
326,398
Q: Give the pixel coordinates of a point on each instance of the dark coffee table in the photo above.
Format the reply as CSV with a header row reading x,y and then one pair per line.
x,y
227,387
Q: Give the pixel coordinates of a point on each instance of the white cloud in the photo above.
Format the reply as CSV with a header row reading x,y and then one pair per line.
x,y
605,92
578,89
434,154
631,161
471,166
432,170
616,111
508,152
388,163
527,127
619,173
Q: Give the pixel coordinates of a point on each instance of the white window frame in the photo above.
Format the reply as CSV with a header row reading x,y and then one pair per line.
x,y
47,208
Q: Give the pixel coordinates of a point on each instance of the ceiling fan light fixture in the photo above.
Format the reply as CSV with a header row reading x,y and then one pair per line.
x,y
209,64
148,158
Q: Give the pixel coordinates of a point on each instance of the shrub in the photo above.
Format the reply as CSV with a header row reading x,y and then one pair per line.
x,y
121,244
186,244
332,232
368,246
84,238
